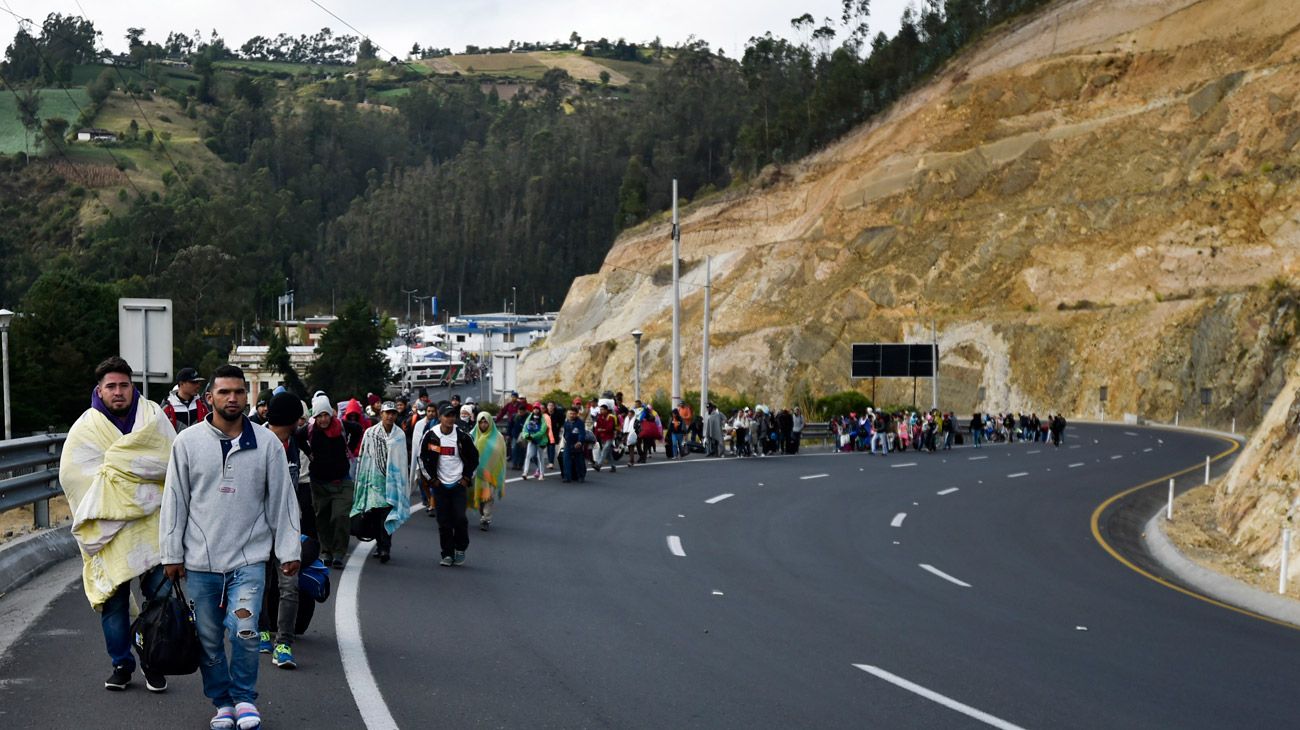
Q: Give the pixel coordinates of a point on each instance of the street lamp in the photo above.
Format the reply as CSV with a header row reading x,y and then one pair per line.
x,y
408,293
514,302
5,317
636,336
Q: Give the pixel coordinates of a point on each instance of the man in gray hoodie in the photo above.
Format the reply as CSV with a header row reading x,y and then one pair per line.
x,y
227,502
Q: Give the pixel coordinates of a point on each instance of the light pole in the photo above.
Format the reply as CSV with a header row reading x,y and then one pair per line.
x,y
5,317
408,293
636,336
514,302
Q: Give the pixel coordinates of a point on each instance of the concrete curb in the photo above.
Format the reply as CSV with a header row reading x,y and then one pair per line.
x,y
1216,585
25,558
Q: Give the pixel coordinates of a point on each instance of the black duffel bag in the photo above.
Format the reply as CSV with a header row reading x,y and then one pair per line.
x,y
166,637
366,526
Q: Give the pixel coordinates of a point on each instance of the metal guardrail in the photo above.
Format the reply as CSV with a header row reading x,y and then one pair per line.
x,y
29,474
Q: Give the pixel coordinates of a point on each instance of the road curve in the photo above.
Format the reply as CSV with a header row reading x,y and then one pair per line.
x,y
792,601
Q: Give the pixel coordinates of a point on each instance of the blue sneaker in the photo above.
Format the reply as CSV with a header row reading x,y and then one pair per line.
x,y
282,657
264,642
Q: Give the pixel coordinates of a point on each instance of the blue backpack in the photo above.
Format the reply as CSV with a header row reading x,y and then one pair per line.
x,y
314,580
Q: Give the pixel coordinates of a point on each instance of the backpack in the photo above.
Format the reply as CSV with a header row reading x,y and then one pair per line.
x,y
166,637
314,581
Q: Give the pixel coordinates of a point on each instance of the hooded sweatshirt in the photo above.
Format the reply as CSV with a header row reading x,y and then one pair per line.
x,y
228,502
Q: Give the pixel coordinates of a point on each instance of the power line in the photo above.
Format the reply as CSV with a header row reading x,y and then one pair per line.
x,y
127,88
71,163
354,29
71,98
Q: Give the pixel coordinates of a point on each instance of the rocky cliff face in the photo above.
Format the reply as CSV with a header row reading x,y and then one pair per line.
x,y
1106,193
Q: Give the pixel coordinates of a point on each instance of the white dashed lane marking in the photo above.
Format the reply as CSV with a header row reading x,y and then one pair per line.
x,y
945,576
815,476
718,498
900,466
1076,465
675,546
977,458
898,519
947,491
937,698
1018,474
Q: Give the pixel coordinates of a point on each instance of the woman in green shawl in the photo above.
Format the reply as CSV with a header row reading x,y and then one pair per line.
x,y
490,478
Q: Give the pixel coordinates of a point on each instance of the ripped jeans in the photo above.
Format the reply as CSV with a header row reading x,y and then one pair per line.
x,y
228,601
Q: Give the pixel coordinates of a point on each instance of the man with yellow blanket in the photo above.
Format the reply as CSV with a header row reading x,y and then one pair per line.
x,y
112,470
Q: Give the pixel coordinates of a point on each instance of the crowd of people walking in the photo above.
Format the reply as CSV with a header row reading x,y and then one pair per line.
x,y
252,509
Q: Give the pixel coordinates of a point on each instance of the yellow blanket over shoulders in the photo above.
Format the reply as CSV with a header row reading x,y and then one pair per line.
x,y
114,485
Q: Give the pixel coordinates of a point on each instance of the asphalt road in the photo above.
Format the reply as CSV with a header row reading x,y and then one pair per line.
x,y
950,590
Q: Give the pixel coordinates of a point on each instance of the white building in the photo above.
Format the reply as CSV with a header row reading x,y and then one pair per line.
x,y
251,359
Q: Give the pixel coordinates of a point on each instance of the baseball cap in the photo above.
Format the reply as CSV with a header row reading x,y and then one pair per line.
x,y
388,406
189,375
447,410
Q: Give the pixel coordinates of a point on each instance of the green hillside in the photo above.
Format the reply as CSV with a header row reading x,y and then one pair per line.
x,y
54,103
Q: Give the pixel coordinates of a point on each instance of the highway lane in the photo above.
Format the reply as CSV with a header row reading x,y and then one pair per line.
x,y
575,612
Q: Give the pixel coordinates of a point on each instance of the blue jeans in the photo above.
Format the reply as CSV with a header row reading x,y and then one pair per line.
x,y
219,600
678,439
976,436
116,616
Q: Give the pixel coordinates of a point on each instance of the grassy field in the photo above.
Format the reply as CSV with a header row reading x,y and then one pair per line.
x,y
390,94
54,103
513,65
637,72
293,69
178,79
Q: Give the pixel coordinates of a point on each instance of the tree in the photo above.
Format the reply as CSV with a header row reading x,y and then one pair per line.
x,y
29,115
631,195
349,362
55,128
69,324
277,359
366,51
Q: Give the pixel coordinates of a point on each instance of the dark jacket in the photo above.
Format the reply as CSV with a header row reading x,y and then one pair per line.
x,y
329,448
575,431
430,452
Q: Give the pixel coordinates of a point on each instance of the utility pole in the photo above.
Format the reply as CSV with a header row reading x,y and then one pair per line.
x,y
934,381
704,351
677,305
409,293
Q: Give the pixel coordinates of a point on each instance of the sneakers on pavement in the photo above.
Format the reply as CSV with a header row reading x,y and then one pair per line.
x,y
483,525
246,716
446,561
282,657
155,682
224,719
264,642
119,679
459,559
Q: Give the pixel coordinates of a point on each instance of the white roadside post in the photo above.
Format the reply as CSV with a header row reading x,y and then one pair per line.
x,y
676,399
1286,557
1169,509
1207,469
1234,425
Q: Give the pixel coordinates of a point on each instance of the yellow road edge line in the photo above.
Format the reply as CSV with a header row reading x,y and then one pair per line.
x,y
1096,534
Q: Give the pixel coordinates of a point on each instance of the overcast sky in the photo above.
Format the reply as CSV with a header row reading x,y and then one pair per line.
x,y
396,24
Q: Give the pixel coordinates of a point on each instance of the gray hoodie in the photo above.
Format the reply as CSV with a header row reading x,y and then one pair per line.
x,y
224,506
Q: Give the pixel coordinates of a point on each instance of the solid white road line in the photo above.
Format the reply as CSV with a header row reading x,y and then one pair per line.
x,y
347,627
943,575
949,490
976,458
1018,474
814,476
675,546
1117,456
718,498
898,519
933,696
1076,465
900,466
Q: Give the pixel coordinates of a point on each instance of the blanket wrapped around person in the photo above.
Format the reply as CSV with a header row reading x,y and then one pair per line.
x,y
383,477
489,478
114,484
